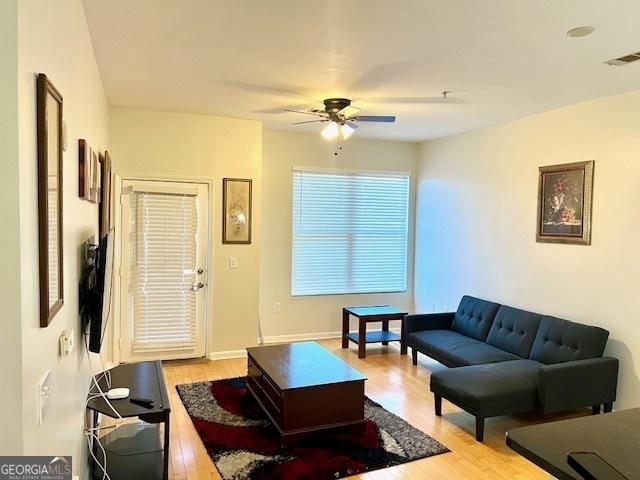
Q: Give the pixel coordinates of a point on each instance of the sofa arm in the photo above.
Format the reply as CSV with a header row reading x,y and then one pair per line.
x,y
428,321
580,383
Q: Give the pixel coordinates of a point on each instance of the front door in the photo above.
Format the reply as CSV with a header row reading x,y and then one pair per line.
x,y
165,227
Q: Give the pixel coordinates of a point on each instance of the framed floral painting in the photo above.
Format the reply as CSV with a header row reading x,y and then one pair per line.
x,y
564,203
236,206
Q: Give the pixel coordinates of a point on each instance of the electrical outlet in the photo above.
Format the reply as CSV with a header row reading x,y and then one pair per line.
x,y
276,307
66,343
233,263
44,395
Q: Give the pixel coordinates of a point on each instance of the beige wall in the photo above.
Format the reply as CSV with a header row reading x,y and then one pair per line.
x,y
10,345
54,39
476,218
151,144
313,315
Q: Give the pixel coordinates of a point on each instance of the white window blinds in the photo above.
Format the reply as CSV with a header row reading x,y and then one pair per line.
x,y
163,271
349,232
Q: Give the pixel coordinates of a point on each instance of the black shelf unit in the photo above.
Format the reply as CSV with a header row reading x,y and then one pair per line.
x,y
138,449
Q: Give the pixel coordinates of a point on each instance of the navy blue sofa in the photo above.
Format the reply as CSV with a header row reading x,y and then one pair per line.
x,y
504,360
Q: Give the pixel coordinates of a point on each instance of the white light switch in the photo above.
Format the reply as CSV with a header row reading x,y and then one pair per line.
x,y
276,307
44,396
233,263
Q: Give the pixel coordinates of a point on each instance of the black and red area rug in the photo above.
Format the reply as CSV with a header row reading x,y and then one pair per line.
x,y
243,443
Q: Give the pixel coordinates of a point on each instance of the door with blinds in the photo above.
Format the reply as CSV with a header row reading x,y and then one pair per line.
x,y
165,228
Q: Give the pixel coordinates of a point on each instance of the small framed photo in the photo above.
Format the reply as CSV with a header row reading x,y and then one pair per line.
x,y
89,173
105,198
565,194
236,207
94,189
84,170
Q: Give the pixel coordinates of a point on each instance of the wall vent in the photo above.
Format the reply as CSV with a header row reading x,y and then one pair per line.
x,y
618,62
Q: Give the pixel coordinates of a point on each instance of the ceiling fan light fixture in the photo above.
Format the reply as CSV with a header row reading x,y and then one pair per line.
x,y
346,131
331,131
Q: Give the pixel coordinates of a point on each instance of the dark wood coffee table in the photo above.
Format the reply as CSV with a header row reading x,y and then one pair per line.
x,y
302,387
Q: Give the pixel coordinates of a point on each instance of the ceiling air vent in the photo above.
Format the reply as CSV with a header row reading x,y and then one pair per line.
x,y
618,62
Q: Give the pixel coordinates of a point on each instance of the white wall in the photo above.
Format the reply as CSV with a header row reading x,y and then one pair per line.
x,y
54,39
10,345
151,144
316,314
476,220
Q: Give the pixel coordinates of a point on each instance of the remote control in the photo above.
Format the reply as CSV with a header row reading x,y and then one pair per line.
x,y
144,402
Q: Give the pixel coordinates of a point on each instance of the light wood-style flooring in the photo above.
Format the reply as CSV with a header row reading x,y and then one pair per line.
x,y
402,389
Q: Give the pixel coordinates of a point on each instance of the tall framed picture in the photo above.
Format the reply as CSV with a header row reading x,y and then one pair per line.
x,y
565,195
50,217
236,206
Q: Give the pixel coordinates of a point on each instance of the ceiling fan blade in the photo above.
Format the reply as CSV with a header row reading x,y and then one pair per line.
x,y
375,118
418,100
352,125
310,121
317,114
349,111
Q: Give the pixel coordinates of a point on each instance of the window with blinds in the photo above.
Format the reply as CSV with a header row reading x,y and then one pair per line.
x,y
349,232
163,258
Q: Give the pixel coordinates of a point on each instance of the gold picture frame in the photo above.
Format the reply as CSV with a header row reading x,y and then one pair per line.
x,y
236,211
565,198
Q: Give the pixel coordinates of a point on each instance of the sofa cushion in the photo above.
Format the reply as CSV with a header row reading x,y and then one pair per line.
x,y
455,350
560,341
490,390
474,317
514,330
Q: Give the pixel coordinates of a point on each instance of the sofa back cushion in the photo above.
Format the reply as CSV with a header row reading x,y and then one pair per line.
x,y
560,341
474,317
514,330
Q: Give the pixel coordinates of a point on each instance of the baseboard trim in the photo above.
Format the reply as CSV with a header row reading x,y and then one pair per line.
x,y
299,337
305,337
227,354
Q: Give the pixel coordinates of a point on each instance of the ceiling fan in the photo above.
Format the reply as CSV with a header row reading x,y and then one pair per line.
x,y
342,117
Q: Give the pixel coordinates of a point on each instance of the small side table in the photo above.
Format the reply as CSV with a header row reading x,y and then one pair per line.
x,y
133,451
365,314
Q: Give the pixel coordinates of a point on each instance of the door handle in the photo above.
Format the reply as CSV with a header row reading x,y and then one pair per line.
x,y
197,286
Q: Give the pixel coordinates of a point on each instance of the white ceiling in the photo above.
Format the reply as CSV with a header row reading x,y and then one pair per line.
x,y
252,58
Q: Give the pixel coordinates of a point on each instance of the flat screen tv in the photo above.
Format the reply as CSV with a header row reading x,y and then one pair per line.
x,y
97,293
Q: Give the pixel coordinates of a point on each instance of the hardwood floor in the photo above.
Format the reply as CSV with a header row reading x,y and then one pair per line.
x,y
402,389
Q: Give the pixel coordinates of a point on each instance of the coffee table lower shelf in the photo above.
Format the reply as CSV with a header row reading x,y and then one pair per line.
x,y
375,336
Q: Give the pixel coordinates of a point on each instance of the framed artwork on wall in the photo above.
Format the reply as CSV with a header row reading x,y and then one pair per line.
x,y
50,224
89,173
565,195
105,200
84,170
236,210
94,189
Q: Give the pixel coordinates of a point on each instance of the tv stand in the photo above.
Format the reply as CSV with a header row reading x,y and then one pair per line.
x,y
135,450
